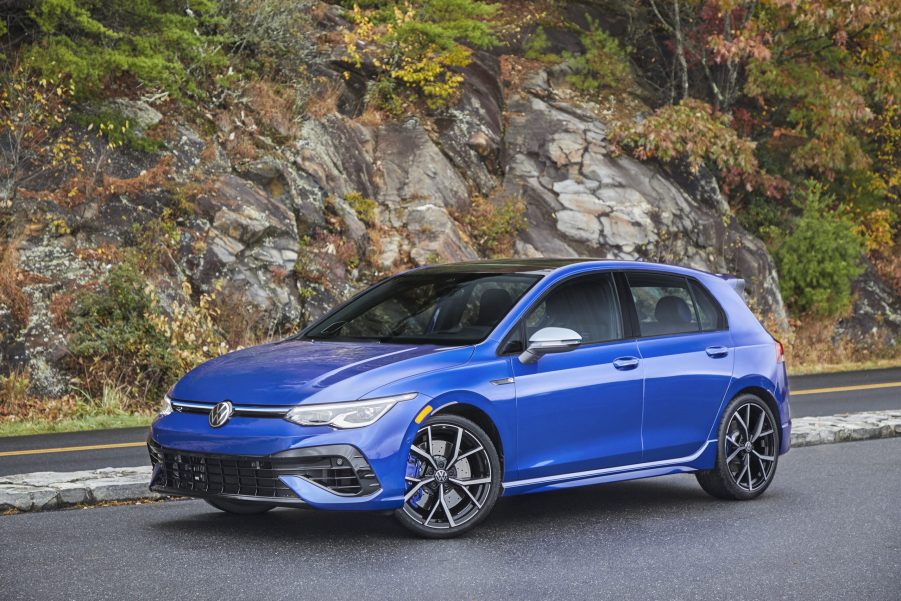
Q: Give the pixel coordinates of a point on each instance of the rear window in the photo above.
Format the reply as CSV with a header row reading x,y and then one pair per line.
x,y
669,304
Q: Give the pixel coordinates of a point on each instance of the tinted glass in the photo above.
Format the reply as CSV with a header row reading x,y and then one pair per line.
x,y
664,304
712,317
586,304
436,308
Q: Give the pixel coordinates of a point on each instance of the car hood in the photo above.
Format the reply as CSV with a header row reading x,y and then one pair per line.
x,y
299,371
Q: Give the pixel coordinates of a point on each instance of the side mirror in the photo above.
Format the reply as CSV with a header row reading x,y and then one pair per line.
x,y
550,340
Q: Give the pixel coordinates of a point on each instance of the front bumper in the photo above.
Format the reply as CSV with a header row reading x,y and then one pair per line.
x,y
307,476
273,461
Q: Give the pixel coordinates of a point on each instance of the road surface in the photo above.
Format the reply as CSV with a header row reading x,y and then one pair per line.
x,y
828,528
825,394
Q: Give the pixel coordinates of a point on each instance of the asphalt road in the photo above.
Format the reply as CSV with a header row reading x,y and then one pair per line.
x,y
811,395
46,458
828,528
829,402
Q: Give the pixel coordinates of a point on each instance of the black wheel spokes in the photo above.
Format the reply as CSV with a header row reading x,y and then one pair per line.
x,y
750,447
455,481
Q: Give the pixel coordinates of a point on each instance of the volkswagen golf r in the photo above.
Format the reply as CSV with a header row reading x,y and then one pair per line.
x,y
436,391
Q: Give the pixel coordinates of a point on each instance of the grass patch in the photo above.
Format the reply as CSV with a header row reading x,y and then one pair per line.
x,y
804,369
75,424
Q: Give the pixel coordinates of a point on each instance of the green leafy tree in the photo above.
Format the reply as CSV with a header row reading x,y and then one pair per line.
x,y
604,64
820,258
164,44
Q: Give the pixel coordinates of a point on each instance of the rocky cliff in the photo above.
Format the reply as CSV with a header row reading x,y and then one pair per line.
x,y
347,200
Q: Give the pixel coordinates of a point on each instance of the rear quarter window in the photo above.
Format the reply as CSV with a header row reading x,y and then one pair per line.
x,y
710,313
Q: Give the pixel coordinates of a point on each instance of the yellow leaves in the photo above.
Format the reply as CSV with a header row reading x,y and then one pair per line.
x,y
877,229
190,329
403,48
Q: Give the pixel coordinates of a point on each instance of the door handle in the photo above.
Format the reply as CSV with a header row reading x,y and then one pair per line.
x,y
717,351
625,363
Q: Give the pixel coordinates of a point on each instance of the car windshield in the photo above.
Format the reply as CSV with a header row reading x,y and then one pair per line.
x,y
427,308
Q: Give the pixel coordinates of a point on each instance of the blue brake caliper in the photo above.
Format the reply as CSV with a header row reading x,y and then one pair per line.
x,y
414,470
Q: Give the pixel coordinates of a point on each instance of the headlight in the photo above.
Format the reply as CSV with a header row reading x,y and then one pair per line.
x,y
166,407
346,415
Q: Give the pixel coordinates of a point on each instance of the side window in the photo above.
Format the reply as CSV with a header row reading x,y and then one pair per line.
x,y
663,303
712,316
586,304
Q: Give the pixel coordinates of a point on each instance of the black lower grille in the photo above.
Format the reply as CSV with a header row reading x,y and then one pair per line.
x,y
204,474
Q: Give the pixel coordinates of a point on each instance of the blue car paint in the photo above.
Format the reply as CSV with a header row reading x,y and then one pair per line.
x,y
622,434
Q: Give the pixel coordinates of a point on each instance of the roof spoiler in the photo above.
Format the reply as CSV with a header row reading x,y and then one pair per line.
x,y
736,283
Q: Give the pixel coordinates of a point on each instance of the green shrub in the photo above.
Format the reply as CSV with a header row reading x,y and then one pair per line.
x,y
161,43
537,48
114,342
364,207
604,64
420,44
275,37
820,257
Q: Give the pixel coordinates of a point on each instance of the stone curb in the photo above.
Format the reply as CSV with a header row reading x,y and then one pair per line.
x,y
52,490
845,427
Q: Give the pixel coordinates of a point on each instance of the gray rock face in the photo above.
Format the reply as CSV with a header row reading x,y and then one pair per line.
x,y
251,244
875,315
140,115
583,200
413,170
471,133
280,231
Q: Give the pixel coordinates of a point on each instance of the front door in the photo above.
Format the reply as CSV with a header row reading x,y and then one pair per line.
x,y
579,410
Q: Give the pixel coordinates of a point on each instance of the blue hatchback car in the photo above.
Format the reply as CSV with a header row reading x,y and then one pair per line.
x,y
438,390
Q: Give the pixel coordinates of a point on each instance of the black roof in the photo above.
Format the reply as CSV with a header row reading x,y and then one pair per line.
x,y
505,265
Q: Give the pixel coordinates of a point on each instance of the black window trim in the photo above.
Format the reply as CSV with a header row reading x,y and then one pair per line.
x,y
627,312
518,329
688,279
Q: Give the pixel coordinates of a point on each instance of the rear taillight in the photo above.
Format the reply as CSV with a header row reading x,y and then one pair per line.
x,y
780,353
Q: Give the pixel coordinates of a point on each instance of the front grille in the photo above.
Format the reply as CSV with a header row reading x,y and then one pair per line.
x,y
203,474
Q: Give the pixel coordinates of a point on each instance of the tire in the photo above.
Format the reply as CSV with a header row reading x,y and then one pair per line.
x,y
239,507
743,471
437,505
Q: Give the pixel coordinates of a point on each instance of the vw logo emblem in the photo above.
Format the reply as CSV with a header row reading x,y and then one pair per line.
x,y
220,414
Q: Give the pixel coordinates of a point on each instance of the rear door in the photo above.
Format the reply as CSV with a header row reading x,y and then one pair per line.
x,y
579,410
687,353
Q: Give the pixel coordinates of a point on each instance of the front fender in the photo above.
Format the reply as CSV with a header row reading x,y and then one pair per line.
x,y
480,384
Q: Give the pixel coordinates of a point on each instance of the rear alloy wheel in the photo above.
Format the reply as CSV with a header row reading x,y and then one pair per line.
x,y
747,453
239,507
453,478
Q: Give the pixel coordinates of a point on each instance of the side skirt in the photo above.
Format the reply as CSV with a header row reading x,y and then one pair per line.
x,y
702,459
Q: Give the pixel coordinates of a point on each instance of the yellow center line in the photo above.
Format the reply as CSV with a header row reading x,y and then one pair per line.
x,y
846,388
125,445
94,447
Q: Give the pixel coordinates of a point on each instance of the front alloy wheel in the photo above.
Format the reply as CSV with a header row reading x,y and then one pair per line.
x,y
748,451
453,478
